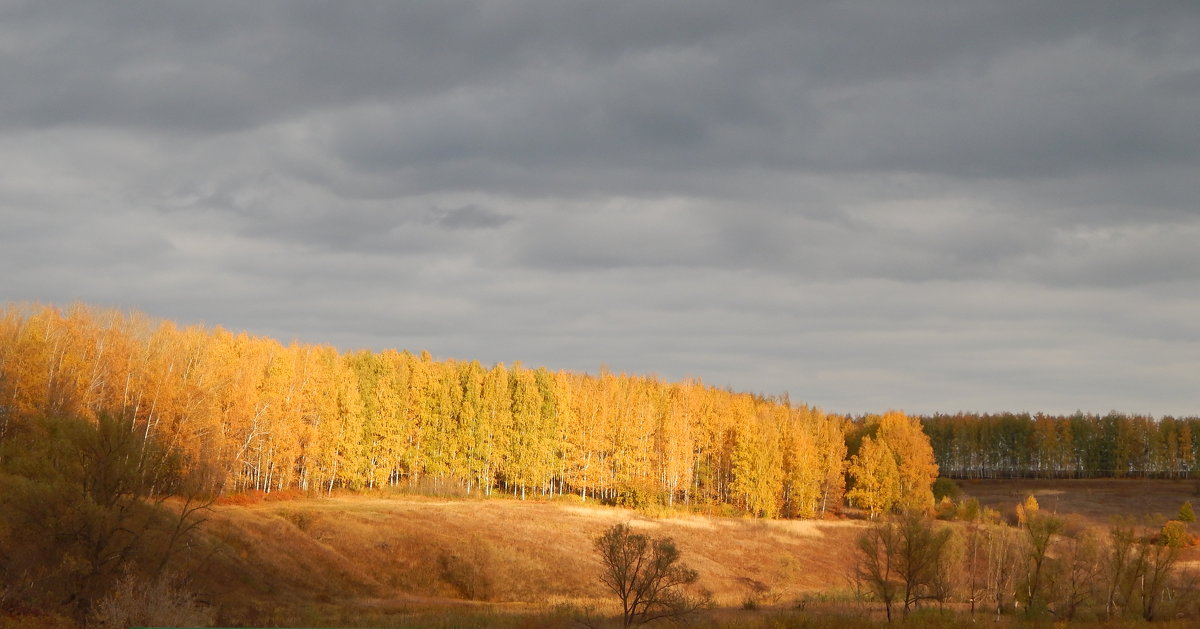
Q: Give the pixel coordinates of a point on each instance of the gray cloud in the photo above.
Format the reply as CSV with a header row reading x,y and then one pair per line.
x,y
471,217
929,205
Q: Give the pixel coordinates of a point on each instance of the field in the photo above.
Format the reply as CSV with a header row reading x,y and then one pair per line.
x,y
1094,501
340,558
375,560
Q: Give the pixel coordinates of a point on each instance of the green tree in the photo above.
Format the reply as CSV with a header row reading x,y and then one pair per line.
x,y
1186,514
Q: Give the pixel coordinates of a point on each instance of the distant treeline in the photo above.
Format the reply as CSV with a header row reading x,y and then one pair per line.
x,y
258,415
1014,445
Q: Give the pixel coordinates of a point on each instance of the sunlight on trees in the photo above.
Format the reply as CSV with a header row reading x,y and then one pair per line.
x,y
894,468
263,416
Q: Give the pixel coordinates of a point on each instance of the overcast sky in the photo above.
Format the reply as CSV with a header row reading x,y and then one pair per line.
x,y
930,206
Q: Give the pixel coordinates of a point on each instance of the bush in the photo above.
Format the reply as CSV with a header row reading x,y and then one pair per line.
x,y
969,510
639,496
157,603
945,488
81,506
945,509
1175,534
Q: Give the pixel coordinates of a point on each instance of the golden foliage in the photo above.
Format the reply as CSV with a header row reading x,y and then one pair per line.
x,y
261,416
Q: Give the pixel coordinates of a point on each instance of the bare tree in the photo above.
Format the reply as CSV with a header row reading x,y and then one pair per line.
x,y
975,564
921,551
1004,549
1081,573
646,575
1157,560
1141,567
903,559
1120,566
876,562
1042,530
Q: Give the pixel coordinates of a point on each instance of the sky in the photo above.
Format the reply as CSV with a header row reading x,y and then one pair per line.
x,y
932,206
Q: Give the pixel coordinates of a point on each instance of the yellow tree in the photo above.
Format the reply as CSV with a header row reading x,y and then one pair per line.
x,y
522,462
830,439
421,402
495,424
371,375
566,451
473,426
639,474
914,459
583,433
229,375
26,353
11,323
710,472
676,444
802,467
876,477
331,406
758,466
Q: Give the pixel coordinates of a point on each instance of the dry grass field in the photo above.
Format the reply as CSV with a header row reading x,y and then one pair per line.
x,y
1093,501
377,560
370,559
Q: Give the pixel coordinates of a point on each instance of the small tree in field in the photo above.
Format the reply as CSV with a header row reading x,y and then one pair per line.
x,y
646,575
875,564
1186,514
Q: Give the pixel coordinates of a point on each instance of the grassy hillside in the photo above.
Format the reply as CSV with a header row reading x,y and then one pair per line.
x,y
380,560
374,560
395,560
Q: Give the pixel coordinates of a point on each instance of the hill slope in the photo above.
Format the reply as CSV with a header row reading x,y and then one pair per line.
x,y
350,557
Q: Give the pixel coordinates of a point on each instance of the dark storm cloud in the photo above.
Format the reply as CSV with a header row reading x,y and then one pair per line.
x,y
926,204
961,88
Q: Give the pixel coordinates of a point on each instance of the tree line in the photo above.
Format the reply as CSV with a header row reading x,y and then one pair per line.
x,y
1081,445
254,414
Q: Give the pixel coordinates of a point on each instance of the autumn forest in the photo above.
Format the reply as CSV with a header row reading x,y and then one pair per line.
x,y
106,415
258,415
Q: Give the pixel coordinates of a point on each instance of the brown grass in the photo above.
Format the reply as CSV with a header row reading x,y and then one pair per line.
x,y
1093,501
376,560
389,555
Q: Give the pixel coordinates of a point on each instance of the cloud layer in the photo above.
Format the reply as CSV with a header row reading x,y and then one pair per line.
x,y
934,206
